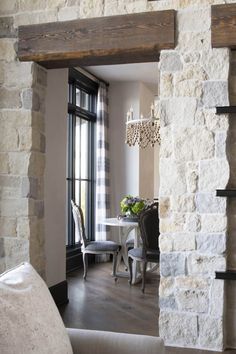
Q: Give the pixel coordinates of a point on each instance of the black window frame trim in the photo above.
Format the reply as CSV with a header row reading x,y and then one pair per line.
x,y
80,81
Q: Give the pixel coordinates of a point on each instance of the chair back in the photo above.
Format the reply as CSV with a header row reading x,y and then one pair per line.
x,y
79,223
149,227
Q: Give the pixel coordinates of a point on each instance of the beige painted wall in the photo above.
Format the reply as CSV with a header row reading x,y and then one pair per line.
x,y
55,176
132,168
146,156
156,170
124,160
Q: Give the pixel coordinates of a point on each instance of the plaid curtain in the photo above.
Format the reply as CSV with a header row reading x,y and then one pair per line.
x,y
102,164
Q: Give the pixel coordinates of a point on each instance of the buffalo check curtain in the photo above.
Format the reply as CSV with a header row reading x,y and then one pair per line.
x,y
102,164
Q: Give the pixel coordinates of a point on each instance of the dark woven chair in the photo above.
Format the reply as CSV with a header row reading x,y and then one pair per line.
x,y
149,252
92,247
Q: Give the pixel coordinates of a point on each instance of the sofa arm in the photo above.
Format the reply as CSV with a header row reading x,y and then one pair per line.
x,y
98,342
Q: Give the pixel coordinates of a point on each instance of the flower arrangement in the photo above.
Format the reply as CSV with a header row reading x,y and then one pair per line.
x,y
132,206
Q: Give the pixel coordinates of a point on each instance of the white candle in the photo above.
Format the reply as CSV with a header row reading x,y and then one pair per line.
x,y
131,112
128,115
152,110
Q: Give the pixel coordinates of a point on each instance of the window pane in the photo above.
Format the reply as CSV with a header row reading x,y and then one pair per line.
x,y
84,103
84,148
84,203
82,132
77,93
82,199
82,99
77,201
77,192
77,147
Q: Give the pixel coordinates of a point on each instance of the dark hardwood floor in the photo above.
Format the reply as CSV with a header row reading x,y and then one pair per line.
x,y
101,303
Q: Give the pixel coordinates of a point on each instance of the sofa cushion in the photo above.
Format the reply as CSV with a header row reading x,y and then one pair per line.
x,y
85,341
30,321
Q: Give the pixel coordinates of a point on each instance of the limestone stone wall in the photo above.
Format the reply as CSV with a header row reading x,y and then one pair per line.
x,y
230,286
193,164
193,80
22,147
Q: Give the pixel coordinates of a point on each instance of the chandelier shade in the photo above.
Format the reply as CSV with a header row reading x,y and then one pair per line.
x,y
143,131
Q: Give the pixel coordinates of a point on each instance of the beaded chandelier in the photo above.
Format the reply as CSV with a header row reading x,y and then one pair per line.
x,y
143,131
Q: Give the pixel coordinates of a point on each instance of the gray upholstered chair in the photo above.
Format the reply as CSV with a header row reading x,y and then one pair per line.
x,y
92,247
149,252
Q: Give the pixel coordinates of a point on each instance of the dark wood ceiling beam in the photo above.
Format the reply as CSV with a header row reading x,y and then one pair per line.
x,y
223,26
98,41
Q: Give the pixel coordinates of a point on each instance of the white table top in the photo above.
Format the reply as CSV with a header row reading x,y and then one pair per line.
x,y
120,223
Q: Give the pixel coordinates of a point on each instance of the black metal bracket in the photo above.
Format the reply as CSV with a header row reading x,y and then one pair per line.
x,y
231,193
227,275
225,109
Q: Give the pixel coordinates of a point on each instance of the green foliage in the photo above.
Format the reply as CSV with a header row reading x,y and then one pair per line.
x,y
132,205
138,207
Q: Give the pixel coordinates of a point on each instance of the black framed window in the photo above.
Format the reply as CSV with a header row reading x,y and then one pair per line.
x,y
81,152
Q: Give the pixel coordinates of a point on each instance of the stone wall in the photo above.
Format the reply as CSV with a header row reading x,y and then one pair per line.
x,y
230,286
22,147
193,80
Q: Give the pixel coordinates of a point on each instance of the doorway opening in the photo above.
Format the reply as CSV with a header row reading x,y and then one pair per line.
x,y
133,171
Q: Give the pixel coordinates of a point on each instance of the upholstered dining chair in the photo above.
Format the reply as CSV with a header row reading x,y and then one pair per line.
x,y
92,247
149,252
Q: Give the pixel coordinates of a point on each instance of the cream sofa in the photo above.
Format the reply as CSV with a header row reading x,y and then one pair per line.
x,y
31,324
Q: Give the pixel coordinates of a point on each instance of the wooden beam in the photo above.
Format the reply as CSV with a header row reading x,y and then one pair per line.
x,y
98,41
223,26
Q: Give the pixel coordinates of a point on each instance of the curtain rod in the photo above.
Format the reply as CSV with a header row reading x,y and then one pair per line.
x,y
92,76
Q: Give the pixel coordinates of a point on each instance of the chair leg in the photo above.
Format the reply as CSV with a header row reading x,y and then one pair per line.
x,y
114,265
85,262
144,276
130,261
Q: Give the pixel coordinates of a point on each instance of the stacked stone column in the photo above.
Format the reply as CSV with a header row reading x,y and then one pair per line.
x,y
230,286
193,164
22,148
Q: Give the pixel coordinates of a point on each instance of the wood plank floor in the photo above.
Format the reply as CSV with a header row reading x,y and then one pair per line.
x,y
101,303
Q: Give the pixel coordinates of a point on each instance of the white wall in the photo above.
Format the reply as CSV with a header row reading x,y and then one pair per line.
x,y
156,170
146,156
55,176
124,160
132,168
